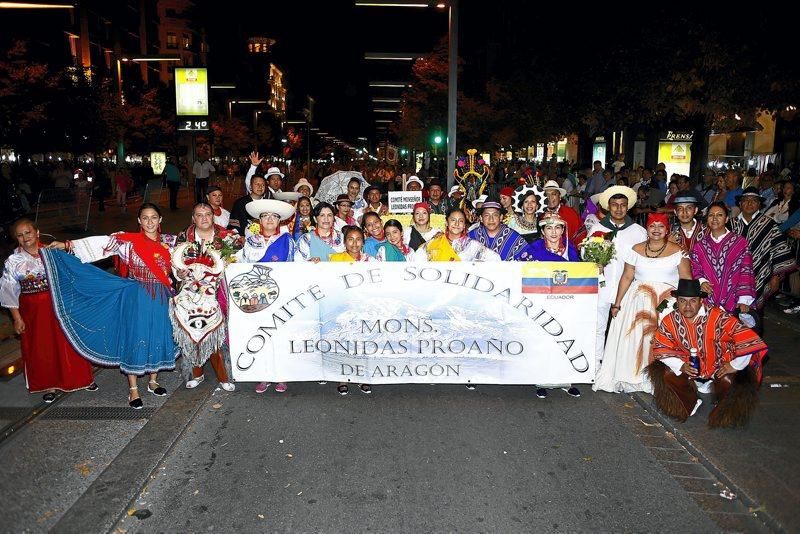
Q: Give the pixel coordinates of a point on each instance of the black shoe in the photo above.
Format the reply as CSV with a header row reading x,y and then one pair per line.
x,y
93,387
471,387
365,388
49,397
572,391
158,390
343,389
136,404
541,393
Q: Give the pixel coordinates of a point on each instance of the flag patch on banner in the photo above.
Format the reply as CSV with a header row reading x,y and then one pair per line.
x,y
560,279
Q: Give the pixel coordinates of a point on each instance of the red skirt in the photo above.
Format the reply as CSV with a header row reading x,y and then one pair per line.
x,y
50,361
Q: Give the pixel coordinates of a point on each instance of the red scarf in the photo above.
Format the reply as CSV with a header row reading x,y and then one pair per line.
x,y
148,250
217,211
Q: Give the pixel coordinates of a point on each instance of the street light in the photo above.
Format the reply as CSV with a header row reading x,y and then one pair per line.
x,y
452,78
34,5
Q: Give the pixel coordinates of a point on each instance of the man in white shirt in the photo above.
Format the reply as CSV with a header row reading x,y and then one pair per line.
x,y
202,170
615,201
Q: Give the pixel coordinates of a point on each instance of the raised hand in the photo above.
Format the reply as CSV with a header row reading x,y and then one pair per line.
x,y
255,159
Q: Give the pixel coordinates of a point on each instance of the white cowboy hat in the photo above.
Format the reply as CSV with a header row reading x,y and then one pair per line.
x,y
414,179
552,184
267,205
303,182
286,196
617,190
273,170
455,189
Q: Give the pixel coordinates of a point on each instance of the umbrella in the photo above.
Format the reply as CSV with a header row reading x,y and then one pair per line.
x,y
336,184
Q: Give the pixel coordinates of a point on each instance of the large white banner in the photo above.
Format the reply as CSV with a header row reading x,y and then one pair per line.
x,y
383,323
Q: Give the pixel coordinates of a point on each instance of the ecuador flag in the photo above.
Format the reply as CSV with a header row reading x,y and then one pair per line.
x,y
559,278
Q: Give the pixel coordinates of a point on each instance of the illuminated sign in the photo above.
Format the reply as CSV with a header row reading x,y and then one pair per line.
x,y
158,160
191,91
193,124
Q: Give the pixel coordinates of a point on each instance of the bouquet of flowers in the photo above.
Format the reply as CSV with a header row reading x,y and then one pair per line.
x,y
229,244
598,248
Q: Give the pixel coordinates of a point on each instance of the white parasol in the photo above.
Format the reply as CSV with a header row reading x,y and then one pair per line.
x,y
336,184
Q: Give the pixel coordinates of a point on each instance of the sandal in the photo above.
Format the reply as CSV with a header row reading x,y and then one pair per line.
x,y
156,389
343,389
136,403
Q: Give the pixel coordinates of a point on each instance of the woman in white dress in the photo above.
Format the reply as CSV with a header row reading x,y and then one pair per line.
x,y
454,244
652,270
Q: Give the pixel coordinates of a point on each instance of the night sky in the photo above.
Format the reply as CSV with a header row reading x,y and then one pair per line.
x,y
321,45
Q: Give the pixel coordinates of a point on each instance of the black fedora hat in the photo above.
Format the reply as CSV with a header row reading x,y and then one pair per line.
x,y
689,288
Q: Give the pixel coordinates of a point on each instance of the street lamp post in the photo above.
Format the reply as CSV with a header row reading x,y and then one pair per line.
x,y
452,91
452,78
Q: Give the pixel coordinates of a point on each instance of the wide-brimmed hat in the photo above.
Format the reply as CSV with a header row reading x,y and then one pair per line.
x,y
480,200
267,205
343,198
455,189
273,170
552,218
303,182
370,188
414,179
751,192
287,196
552,184
689,288
606,195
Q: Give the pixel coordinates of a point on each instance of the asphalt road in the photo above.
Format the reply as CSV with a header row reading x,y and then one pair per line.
x,y
410,458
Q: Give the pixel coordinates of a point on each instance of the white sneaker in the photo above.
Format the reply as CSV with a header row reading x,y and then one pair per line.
x,y
696,406
194,382
227,386
792,311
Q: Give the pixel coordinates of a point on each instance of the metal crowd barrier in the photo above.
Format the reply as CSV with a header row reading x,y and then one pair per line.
x,y
68,208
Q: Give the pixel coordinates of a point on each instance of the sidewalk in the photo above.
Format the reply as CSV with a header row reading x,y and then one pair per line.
x,y
758,462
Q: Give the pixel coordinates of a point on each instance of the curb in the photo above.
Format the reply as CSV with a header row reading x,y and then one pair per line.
x,y
781,319
763,515
108,497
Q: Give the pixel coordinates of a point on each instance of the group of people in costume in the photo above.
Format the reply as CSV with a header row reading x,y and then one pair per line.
x,y
671,296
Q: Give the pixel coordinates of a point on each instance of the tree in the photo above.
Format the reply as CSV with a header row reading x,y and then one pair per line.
x,y
230,135
24,87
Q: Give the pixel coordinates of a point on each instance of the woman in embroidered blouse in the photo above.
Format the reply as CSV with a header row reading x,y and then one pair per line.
x,y
394,249
304,218
372,225
354,251
652,270
50,362
119,321
554,246
420,230
526,223
270,242
454,244
316,245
